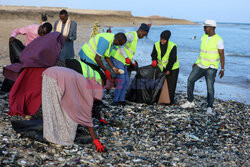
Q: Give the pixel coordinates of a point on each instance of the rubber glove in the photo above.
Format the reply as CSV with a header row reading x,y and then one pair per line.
x,y
107,74
154,63
99,146
103,121
127,60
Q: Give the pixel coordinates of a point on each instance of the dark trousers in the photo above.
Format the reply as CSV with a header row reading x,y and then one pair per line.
x,y
172,82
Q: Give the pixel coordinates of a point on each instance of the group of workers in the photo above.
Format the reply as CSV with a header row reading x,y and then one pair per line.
x,y
67,93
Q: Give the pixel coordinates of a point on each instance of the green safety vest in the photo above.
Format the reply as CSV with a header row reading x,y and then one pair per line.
x,y
209,54
130,49
162,62
90,47
89,73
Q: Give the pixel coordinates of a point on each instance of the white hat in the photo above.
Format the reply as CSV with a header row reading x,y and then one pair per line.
x,y
210,23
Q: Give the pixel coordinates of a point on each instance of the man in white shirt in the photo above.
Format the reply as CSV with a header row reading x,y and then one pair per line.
x,y
211,55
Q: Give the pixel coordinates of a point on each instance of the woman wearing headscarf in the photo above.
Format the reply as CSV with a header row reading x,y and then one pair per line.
x,y
67,100
41,53
164,55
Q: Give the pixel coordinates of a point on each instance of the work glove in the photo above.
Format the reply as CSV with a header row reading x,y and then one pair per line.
x,y
154,63
99,146
108,74
127,60
103,121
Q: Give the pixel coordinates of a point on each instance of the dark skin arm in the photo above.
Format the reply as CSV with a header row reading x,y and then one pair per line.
x,y
116,70
91,132
12,39
222,62
99,62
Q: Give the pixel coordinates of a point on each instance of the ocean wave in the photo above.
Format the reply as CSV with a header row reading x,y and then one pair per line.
x,y
245,29
236,55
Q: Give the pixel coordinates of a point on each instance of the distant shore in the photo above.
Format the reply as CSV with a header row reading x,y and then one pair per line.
x,y
105,17
12,17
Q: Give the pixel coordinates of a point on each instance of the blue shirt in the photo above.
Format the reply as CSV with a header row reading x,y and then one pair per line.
x,y
102,46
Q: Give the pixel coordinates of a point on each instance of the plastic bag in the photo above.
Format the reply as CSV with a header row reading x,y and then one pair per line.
x,y
146,85
15,48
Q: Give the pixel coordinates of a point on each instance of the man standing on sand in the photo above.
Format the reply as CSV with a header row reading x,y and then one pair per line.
x,y
211,55
68,28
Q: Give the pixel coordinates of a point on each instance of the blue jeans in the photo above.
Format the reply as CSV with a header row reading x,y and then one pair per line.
x,y
122,81
196,74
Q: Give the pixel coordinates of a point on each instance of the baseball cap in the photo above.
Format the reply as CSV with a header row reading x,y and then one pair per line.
x,y
210,23
144,27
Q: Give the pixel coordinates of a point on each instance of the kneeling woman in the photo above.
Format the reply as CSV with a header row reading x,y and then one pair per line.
x,y
67,100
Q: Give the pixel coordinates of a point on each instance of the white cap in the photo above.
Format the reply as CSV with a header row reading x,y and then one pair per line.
x,y
210,23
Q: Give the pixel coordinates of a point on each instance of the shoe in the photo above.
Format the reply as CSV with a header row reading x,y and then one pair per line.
x,y
210,111
124,103
188,105
115,103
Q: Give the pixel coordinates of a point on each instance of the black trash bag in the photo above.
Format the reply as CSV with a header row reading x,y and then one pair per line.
x,y
15,47
146,85
7,85
32,129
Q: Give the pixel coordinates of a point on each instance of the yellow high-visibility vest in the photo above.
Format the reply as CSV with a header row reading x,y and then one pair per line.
x,y
209,54
90,47
129,47
89,73
162,62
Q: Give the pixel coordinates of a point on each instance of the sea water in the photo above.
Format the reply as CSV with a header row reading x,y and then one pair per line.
x,y
235,85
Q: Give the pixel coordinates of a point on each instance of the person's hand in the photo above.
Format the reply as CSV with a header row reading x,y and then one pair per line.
x,y
99,146
116,70
107,74
221,74
66,38
168,73
154,63
127,61
194,65
12,39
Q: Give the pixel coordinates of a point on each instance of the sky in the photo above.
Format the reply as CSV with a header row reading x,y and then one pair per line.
x,y
232,11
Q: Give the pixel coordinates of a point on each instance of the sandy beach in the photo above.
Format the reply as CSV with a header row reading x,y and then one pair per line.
x,y
137,134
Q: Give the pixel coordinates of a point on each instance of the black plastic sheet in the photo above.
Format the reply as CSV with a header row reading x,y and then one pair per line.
x,y
146,85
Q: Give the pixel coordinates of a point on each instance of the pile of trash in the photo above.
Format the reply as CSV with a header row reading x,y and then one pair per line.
x,y
141,135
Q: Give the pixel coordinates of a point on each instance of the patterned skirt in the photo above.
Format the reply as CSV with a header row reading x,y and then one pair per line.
x,y
58,127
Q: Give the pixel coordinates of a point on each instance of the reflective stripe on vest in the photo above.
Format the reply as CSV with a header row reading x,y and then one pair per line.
x,y
162,62
130,47
89,73
209,54
90,47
